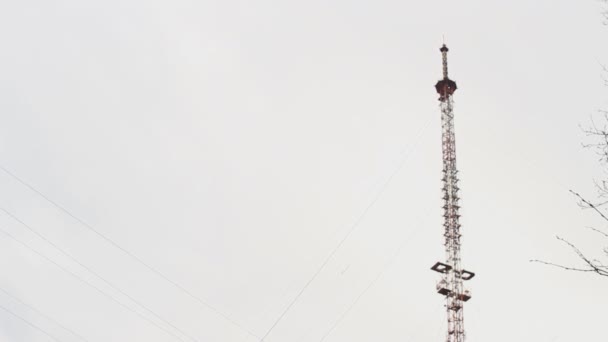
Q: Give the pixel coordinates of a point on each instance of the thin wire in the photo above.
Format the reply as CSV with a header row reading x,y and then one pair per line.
x,y
385,267
349,232
130,254
69,256
2,231
43,315
31,324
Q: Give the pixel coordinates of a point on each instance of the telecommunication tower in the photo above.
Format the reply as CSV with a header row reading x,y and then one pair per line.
x,y
453,275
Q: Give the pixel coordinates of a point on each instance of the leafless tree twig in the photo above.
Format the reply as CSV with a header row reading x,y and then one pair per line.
x,y
594,266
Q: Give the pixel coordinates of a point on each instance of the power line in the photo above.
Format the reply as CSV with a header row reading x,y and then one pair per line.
x,y
2,231
348,233
189,293
374,281
43,315
130,254
30,324
69,256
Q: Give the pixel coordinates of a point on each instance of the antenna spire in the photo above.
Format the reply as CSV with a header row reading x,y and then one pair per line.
x,y
445,87
444,53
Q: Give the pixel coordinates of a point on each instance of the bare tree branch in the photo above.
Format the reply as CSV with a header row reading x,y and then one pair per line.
x,y
598,231
562,266
590,205
593,265
599,144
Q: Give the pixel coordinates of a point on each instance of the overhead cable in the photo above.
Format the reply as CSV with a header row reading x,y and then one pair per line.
x,y
51,319
30,324
130,254
169,332
385,266
107,282
352,228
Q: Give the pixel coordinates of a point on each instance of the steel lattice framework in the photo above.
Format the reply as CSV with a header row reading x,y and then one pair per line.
x,y
453,275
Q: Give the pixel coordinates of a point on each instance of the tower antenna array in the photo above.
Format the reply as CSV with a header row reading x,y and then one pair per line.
x,y
453,275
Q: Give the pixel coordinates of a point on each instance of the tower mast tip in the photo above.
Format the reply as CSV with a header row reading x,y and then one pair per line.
x,y
445,87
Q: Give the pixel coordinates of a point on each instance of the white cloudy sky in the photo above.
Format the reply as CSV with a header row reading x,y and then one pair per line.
x,y
231,145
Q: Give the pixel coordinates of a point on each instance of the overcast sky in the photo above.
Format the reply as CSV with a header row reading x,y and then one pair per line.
x,y
232,145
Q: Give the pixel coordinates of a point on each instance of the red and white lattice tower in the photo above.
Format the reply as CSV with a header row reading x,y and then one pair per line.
x,y
453,275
